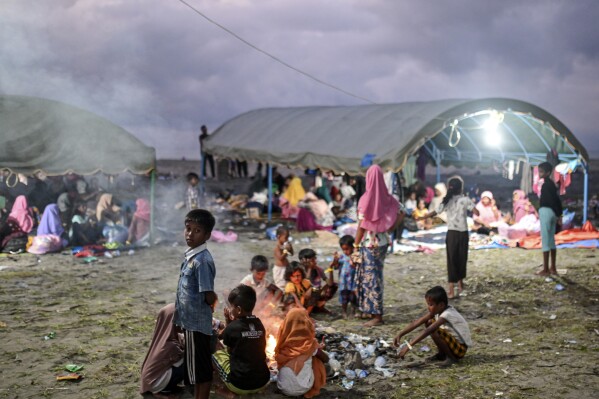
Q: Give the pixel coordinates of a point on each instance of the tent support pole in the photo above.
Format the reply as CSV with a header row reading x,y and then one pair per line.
x,y
586,193
152,184
269,192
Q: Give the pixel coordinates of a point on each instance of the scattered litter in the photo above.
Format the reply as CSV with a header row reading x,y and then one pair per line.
x,y
571,341
3,324
69,377
335,364
505,370
51,335
350,374
425,348
344,344
596,331
387,373
347,384
262,226
488,304
498,393
380,362
5,268
22,284
552,317
507,341
91,259
131,252
73,368
361,373
548,280
384,343
404,385
559,287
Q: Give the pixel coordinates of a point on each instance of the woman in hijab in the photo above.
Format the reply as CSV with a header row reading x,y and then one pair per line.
x,y
289,199
140,223
299,357
107,210
378,213
522,206
440,193
22,215
489,215
51,236
162,368
18,223
314,214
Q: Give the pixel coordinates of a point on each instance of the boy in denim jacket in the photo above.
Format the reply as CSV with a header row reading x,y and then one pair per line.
x,y
195,299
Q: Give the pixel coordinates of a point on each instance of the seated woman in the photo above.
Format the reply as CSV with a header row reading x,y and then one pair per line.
x,y
108,214
14,230
51,236
162,368
314,214
299,356
291,197
84,230
489,216
522,206
440,193
139,229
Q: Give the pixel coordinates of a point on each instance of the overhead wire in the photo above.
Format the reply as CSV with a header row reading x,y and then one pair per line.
x,y
275,58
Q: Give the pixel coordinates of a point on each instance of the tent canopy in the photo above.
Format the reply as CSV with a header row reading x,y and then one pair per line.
x,y
43,135
338,138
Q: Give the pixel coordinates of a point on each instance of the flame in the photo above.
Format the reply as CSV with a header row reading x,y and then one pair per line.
x,y
271,344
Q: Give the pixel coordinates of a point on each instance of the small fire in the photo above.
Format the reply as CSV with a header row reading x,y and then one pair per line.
x,y
271,344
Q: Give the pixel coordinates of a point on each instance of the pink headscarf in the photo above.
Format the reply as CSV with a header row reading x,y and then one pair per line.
x,y
377,206
142,209
520,203
20,213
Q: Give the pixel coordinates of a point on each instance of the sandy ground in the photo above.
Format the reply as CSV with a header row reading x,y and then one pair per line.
x,y
530,339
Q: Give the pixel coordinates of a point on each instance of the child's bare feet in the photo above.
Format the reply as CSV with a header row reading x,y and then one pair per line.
x,y
543,273
553,271
376,320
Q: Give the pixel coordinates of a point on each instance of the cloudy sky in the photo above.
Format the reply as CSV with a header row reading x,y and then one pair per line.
x,y
160,70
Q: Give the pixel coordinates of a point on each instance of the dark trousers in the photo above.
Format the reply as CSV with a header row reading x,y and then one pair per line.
x,y
456,243
210,159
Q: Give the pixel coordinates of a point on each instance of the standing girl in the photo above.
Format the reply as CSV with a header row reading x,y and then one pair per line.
x,y
456,205
377,214
550,212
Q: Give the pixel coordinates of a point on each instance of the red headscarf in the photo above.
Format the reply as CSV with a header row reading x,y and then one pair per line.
x,y
20,213
378,207
296,342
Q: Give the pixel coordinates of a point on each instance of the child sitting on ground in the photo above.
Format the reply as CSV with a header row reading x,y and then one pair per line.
x,y
282,251
446,326
242,366
421,212
322,291
298,290
347,274
266,292
299,356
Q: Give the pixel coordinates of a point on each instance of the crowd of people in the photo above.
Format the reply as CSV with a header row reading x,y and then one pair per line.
x,y
49,214
190,345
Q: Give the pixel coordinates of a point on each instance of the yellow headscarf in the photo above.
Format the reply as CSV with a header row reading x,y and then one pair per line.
x,y
295,192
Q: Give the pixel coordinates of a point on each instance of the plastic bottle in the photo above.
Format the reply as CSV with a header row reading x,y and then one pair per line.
x,y
380,362
350,374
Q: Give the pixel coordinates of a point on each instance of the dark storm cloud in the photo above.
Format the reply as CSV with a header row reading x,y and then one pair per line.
x,y
160,70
